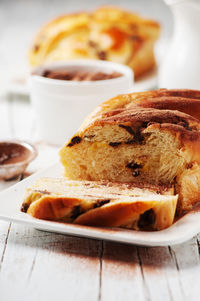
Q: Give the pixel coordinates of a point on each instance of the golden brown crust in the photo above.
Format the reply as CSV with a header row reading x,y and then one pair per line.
x,y
49,207
186,105
113,215
136,115
186,93
100,203
184,100
125,214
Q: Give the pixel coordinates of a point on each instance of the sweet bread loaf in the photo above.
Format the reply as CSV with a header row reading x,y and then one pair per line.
x,y
101,204
125,142
108,33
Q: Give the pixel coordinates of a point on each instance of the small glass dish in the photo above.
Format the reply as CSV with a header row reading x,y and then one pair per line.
x,y
15,156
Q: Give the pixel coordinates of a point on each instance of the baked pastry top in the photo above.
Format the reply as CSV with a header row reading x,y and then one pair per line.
x,y
141,138
183,100
101,203
108,33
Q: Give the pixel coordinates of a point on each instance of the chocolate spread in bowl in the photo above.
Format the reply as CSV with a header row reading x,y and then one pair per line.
x,y
11,153
14,158
79,75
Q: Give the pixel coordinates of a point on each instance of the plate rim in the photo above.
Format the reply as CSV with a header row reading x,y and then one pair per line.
x,y
120,235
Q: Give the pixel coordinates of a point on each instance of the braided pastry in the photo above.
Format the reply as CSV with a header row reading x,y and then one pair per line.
x,y
141,138
108,33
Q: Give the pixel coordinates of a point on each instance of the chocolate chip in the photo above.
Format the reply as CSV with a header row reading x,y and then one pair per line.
x,y
136,173
46,73
127,128
145,124
24,207
134,165
184,124
147,220
138,137
75,140
102,55
100,203
189,165
77,210
36,48
114,144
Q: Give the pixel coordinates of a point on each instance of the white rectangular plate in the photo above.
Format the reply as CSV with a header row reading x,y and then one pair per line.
x,y
11,200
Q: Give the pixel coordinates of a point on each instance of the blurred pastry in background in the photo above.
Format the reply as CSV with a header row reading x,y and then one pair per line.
x,y
108,33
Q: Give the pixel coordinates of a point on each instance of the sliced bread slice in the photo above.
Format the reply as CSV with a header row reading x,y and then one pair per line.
x,y
101,203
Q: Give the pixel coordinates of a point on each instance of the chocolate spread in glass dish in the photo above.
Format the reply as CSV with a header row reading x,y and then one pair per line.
x,y
11,153
79,75
14,158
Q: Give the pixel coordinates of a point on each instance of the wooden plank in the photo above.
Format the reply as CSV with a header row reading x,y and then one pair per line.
x,y
121,277
160,274
4,233
171,273
187,261
44,266
148,273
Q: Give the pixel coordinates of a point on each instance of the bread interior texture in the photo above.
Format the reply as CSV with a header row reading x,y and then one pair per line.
x,y
111,153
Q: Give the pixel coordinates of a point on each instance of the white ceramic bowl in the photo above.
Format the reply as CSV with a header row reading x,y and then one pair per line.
x,y
61,105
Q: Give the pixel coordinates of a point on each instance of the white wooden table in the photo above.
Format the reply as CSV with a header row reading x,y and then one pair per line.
x,y
36,265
